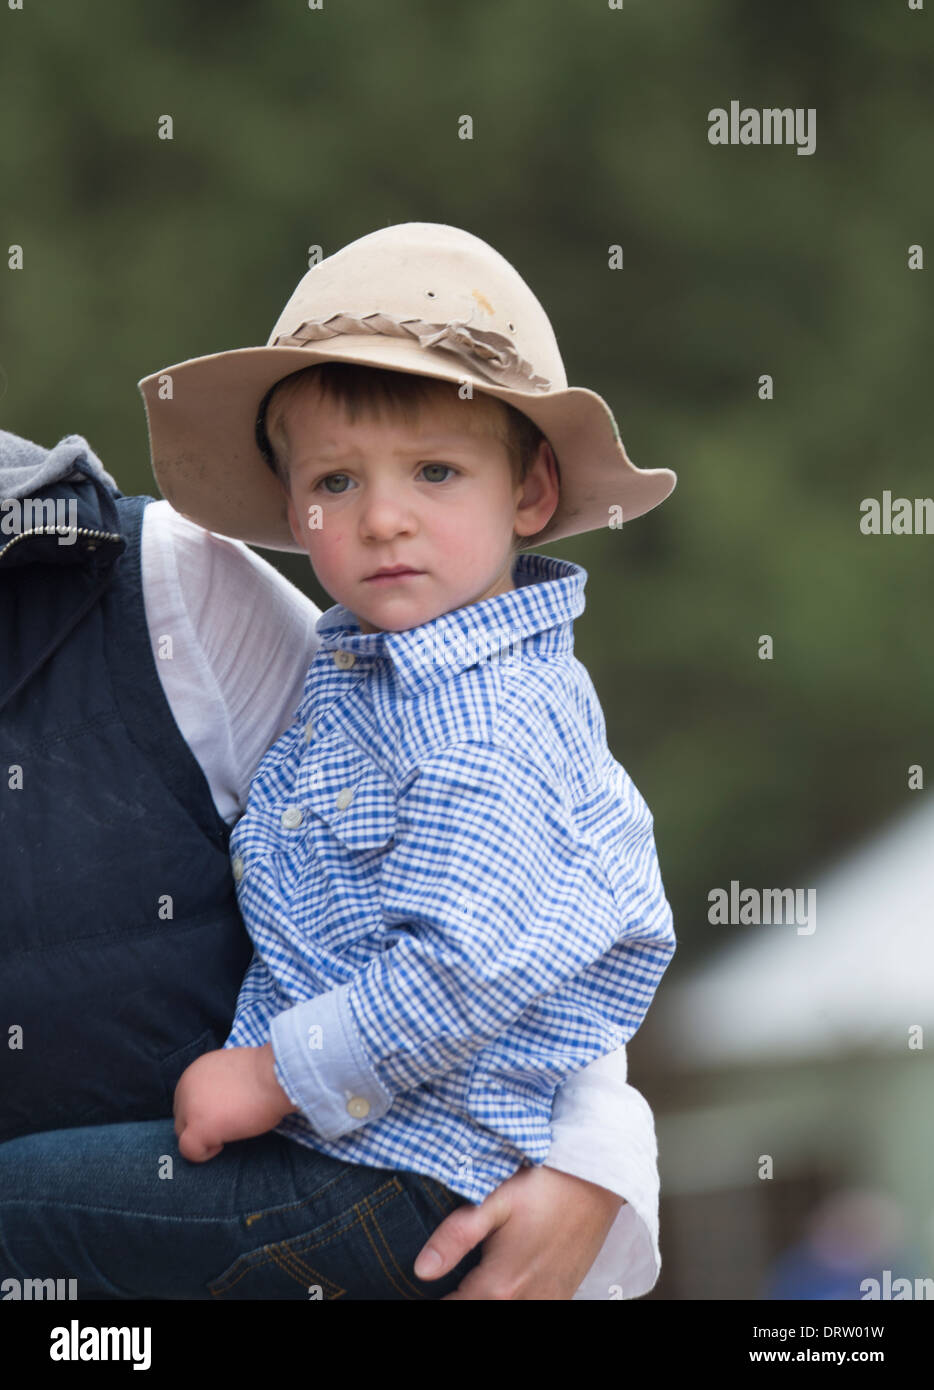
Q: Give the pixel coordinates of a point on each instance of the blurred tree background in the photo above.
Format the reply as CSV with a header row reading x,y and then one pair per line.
x,y
295,127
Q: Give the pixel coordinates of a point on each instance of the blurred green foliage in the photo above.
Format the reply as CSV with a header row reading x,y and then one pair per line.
x,y
295,127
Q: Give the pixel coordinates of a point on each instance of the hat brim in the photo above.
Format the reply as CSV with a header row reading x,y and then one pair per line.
x,y
201,417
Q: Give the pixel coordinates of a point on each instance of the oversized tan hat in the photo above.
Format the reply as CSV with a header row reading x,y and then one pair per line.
x,y
418,297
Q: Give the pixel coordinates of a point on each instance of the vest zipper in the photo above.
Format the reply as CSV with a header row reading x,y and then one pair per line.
x,y
62,531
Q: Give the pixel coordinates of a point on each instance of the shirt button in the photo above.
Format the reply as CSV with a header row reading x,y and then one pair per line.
x,y
344,660
343,798
292,816
309,730
359,1107
237,868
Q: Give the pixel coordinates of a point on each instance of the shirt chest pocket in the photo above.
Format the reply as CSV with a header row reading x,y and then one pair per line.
x,y
353,806
322,840
312,858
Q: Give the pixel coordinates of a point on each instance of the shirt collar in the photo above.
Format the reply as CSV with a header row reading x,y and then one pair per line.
x,y
538,612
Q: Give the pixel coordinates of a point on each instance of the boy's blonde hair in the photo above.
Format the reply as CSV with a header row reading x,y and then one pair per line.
x,y
368,391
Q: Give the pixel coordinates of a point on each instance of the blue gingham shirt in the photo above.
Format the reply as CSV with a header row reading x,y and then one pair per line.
x,y
451,885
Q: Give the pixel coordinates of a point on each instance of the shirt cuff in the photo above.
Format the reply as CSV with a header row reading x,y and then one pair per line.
x,y
321,1064
603,1131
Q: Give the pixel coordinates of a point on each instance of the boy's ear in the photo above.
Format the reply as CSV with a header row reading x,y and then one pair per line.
x,y
539,493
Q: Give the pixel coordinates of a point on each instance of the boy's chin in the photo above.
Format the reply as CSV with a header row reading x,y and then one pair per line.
x,y
387,622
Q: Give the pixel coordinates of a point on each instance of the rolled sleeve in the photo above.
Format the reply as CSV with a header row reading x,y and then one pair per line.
x,y
603,1131
321,1064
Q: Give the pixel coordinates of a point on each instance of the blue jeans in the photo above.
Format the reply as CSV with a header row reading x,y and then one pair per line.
x,y
118,1208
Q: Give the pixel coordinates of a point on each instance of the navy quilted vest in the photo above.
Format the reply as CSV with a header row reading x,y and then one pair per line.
x,y
122,949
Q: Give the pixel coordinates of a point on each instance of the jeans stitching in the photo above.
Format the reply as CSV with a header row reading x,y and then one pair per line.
x,y
379,1230
269,1252
429,1185
306,1273
274,1254
292,1206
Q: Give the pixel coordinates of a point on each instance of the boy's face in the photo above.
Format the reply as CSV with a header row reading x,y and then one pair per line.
x,y
434,497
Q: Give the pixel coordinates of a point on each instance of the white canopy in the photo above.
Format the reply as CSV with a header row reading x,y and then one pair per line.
x,y
863,977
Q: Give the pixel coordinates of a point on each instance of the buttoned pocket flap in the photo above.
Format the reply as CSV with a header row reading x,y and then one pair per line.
x,y
354,799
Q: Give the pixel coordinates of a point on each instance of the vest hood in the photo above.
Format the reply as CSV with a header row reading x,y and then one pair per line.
x,y
56,505
26,467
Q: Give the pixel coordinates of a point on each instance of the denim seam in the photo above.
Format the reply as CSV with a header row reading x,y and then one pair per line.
x,y
286,1259
305,1245
388,1273
428,1185
250,1217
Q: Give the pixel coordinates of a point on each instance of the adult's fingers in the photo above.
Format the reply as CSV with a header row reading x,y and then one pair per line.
x,y
457,1235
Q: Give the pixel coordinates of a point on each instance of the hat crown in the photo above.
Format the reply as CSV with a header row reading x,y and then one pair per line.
x,y
433,273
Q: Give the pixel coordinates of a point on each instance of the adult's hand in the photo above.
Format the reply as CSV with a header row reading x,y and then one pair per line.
x,y
541,1230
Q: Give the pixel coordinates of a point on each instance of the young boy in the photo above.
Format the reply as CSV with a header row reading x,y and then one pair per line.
x,y
450,883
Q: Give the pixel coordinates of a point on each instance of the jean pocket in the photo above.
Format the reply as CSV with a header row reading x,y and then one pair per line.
x,y
366,1252
441,1199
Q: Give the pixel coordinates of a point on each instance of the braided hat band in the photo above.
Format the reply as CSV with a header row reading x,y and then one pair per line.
x,y
493,354
489,354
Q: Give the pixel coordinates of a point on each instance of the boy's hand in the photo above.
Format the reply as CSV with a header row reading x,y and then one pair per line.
x,y
228,1094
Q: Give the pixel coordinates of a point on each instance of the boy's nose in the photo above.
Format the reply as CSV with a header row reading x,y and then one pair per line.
x,y
385,514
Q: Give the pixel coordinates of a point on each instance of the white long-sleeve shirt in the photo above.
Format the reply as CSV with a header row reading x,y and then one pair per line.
x,y
242,639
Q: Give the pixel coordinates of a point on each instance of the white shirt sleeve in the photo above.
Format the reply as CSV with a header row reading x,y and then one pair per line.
x,y
603,1131
242,639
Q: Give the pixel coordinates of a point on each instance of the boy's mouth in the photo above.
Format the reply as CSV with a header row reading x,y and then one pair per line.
x,y
392,572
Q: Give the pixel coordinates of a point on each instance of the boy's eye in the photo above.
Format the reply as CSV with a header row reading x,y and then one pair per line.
x,y
343,480
330,479
436,479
